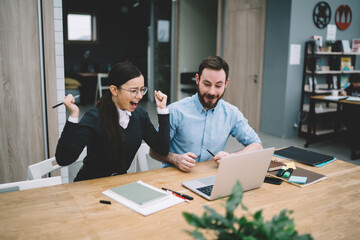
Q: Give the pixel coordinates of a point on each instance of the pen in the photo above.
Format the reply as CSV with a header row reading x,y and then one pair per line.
x,y
180,194
281,171
210,153
105,202
59,104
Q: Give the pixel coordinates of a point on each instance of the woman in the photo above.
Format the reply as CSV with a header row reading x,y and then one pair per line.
x,y
114,129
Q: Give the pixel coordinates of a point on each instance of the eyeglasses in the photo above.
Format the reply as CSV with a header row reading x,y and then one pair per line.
x,y
135,92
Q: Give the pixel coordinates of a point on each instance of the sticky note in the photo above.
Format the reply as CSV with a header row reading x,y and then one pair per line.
x,y
298,179
290,165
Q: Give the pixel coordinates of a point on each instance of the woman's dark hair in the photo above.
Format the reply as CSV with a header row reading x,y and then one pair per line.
x,y
214,63
108,114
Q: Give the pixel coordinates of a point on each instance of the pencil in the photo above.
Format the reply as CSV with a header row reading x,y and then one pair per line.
x,y
59,104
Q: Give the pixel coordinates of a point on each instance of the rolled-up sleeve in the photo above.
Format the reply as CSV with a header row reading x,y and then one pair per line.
x,y
243,132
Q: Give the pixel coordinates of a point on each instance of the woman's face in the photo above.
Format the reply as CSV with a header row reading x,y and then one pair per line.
x,y
129,94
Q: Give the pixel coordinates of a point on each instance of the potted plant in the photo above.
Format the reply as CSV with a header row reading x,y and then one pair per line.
x,y
231,227
328,45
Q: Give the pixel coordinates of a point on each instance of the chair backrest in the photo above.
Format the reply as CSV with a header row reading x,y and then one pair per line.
x,y
23,185
38,170
141,163
99,86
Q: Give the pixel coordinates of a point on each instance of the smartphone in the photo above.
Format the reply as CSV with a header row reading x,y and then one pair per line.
x,y
273,180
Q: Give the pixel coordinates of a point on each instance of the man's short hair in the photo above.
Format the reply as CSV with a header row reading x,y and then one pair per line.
x,y
214,63
355,78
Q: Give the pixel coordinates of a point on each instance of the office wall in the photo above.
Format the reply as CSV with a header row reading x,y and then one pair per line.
x,y
197,34
282,82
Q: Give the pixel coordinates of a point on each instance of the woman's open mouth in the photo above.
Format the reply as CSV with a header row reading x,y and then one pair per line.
x,y
133,105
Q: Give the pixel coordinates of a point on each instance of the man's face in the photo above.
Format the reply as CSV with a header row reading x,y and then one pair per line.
x,y
211,87
357,84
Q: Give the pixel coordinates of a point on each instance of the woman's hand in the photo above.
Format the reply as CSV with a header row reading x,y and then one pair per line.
x,y
160,99
69,102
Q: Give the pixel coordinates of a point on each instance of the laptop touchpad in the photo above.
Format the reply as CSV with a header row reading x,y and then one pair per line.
x,y
208,180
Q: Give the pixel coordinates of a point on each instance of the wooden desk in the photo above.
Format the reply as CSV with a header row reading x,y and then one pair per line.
x,y
310,136
328,209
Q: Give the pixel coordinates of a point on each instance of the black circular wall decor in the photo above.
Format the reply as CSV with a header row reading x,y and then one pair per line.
x,y
321,14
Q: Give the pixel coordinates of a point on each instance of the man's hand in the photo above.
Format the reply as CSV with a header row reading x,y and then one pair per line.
x,y
219,156
185,162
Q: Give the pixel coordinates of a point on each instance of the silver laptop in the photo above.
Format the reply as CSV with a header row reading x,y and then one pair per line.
x,y
249,168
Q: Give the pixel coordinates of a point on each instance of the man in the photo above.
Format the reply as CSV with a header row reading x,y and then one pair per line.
x,y
204,121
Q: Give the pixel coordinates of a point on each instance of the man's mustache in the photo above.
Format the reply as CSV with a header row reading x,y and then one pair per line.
x,y
210,96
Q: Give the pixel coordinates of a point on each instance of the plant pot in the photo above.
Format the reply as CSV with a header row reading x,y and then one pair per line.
x,y
328,49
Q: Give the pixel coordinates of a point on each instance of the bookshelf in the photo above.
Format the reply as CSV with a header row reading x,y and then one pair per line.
x,y
321,75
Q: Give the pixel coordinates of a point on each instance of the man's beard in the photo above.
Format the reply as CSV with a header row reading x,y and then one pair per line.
x,y
209,105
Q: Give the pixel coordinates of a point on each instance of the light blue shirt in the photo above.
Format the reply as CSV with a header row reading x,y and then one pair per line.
x,y
193,129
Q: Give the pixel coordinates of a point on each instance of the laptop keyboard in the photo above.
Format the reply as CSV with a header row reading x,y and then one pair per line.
x,y
206,190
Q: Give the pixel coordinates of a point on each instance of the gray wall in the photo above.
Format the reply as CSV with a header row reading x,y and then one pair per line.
x,y
197,34
290,22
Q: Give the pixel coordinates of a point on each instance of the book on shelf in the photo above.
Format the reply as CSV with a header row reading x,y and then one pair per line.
x,y
314,64
311,177
346,46
344,81
334,82
142,198
312,83
356,45
345,64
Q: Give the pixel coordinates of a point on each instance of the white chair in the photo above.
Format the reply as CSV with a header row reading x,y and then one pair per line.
x,y
40,169
23,185
99,86
69,173
141,163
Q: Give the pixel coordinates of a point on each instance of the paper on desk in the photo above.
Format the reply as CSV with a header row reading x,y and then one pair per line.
x,y
148,209
335,97
356,99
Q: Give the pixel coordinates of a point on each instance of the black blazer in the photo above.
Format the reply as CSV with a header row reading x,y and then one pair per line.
x,y
99,161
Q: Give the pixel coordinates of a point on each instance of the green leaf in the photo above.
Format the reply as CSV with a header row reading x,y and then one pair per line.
x,y
218,220
196,235
193,220
234,200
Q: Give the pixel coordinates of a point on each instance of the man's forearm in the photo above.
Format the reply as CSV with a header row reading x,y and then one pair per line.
x,y
169,158
250,148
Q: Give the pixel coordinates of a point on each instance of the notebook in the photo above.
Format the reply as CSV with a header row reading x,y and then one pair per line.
x,y
139,193
142,198
311,177
275,165
248,168
304,156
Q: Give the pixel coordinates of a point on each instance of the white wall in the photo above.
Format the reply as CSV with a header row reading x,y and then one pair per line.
x,y
59,54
